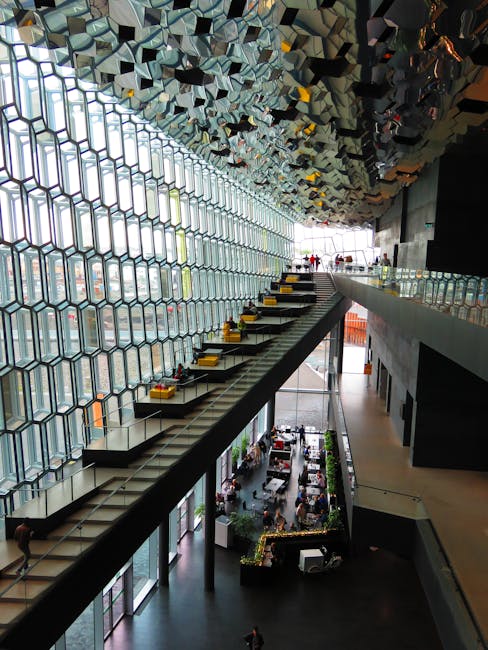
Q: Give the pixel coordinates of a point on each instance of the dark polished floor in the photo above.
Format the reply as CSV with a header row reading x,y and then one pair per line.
x,y
372,602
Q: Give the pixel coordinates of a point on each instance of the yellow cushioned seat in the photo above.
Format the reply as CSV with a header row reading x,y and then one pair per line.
x,y
269,300
232,337
286,289
162,393
292,278
249,318
209,360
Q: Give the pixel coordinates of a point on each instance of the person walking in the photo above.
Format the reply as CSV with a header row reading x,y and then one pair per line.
x,y
317,262
22,535
254,639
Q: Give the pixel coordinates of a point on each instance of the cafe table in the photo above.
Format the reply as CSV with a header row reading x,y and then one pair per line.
x,y
274,485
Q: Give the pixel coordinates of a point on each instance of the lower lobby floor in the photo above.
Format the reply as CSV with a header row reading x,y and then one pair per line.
x,y
374,601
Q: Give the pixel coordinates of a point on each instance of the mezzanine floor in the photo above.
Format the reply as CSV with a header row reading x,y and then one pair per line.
x,y
455,500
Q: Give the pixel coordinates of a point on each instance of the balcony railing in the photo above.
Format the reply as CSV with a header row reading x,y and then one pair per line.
x,y
462,296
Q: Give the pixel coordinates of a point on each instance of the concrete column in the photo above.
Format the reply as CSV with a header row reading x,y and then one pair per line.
x,y
129,590
98,622
210,527
191,512
164,551
270,413
340,344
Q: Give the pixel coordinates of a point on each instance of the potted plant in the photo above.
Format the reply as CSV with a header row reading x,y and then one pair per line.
x,y
329,441
243,527
334,520
244,445
235,457
200,512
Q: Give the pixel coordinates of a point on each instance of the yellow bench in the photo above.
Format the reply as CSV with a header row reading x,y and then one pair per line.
x,y
270,300
209,360
232,337
249,318
162,393
286,289
292,278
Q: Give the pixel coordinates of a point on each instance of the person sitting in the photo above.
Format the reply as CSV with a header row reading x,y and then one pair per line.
x,y
276,558
267,520
250,309
232,324
262,446
303,478
320,480
180,373
302,493
324,515
306,452
324,505
197,353
279,521
242,327
301,515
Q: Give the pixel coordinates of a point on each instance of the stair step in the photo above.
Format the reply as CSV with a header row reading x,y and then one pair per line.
x,y
22,591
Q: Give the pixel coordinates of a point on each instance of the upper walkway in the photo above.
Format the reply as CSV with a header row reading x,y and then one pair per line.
x,y
448,332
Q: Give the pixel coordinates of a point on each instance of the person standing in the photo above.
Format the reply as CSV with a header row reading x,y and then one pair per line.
x,y
385,261
22,535
317,262
312,261
301,431
254,639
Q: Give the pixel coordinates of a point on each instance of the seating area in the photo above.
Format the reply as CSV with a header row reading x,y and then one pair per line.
x,y
208,360
269,301
286,289
161,391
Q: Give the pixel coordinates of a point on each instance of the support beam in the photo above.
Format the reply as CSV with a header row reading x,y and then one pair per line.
x,y
210,527
270,412
164,551
340,343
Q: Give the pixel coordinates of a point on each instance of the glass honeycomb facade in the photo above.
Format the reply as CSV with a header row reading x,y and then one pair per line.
x,y
119,250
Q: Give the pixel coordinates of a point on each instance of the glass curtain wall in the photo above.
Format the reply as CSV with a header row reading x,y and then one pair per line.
x,y
329,241
113,241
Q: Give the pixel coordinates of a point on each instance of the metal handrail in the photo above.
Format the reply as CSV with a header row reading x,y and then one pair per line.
x,y
45,490
415,497
120,489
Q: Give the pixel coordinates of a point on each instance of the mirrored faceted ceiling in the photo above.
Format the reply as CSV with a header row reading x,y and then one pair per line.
x,y
329,107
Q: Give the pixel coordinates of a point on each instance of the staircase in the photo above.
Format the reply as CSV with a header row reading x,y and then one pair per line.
x,y
134,501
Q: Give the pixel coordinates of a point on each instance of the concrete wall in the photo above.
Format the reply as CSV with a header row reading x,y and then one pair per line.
x,y
388,228
421,209
400,356
416,205
450,422
454,623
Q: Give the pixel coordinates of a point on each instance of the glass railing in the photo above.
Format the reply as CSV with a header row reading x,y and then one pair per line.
x,y
390,501
462,296
71,488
